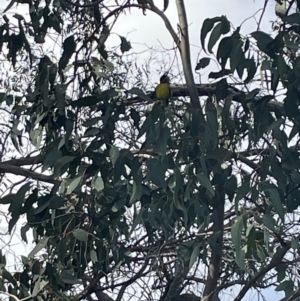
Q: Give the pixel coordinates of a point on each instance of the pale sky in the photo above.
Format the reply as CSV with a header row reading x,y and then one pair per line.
x,y
149,30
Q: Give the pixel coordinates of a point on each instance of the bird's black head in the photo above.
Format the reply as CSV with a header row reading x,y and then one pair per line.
x,y
164,78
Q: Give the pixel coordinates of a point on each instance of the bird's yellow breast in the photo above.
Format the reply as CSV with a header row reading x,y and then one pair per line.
x,y
163,91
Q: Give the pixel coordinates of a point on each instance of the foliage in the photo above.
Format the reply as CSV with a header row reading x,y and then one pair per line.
x,y
121,198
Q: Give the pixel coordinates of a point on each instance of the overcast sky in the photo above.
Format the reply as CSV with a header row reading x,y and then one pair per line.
x,y
149,31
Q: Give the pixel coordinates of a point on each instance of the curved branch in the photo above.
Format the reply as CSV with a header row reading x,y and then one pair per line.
x,y
169,27
152,8
176,284
274,262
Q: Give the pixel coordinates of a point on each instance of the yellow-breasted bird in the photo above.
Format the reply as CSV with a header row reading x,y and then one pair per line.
x,y
163,91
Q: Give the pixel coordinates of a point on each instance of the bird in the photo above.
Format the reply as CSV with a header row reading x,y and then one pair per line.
x,y
163,91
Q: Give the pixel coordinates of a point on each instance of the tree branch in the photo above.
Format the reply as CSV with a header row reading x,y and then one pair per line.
x,y
184,48
25,161
176,284
19,171
210,289
274,262
152,8
294,296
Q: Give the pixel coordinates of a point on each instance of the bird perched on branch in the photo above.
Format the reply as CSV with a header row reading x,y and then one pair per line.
x,y
163,91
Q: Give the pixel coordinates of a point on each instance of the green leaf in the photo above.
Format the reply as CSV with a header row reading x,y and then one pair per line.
x,y
236,234
23,231
214,37
39,246
221,89
8,276
51,159
251,236
119,204
230,187
225,28
24,260
119,165
16,204
274,80
91,132
204,62
281,270
7,199
185,250
114,154
97,183
61,162
140,94
266,65
54,23
56,202
176,185
287,286
272,192
251,70
36,268
269,222
73,184
215,75
162,141
147,125
207,26
211,130
137,220
210,192
224,50
136,192
243,190
236,54
291,19
156,172
69,47
92,121
94,100
276,202
263,41
251,95
295,244
166,4
94,256
261,253
60,93
80,234
281,66
67,276
135,116
125,45
43,205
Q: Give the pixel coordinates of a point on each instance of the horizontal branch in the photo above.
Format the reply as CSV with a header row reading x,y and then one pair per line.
x,y
25,161
19,171
209,90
